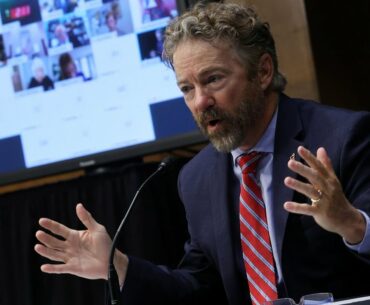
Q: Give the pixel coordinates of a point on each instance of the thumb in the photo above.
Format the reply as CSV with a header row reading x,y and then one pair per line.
x,y
86,218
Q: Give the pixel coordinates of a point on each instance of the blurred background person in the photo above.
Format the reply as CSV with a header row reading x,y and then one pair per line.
x,y
60,34
155,9
68,68
159,37
112,23
16,79
69,5
39,77
3,57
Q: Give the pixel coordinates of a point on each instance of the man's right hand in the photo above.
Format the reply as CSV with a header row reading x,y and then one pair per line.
x,y
82,253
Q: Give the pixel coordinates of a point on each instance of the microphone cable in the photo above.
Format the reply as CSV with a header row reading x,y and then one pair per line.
x,y
113,281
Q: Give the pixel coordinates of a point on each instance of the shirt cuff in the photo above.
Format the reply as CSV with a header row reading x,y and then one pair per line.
x,y
364,246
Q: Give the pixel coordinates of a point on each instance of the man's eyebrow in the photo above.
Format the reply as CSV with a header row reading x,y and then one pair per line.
x,y
211,70
206,72
181,82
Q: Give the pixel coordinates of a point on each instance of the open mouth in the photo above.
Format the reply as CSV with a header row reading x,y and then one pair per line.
x,y
213,123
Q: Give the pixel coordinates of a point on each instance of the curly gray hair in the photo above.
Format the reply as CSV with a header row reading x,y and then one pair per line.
x,y
226,22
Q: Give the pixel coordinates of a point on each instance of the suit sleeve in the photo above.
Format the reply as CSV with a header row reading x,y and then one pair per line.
x,y
355,175
195,281
147,283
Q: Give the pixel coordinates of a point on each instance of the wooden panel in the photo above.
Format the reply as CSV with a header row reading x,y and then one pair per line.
x,y
41,181
289,27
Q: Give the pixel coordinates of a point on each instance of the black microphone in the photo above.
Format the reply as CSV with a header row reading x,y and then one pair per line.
x,y
113,282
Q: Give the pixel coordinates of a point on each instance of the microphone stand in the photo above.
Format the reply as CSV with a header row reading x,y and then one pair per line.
x,y
113,281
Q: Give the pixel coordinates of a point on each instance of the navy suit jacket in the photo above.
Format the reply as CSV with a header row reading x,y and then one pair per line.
x,y
312,259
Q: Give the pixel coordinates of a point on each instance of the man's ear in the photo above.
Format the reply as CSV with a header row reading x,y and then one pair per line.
x,y
265,71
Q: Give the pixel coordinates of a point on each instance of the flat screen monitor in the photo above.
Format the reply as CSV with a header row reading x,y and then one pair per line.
x,y
82,84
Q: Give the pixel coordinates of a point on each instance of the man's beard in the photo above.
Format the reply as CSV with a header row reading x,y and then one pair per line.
x,y
235,123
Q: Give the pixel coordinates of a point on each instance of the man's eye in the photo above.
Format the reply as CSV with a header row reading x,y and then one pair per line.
x,y
185,89
214,78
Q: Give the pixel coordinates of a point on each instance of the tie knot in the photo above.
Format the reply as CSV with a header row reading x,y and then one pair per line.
x,y
248,162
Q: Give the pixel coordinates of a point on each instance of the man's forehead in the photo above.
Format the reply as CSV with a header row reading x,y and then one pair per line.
x,y
201,57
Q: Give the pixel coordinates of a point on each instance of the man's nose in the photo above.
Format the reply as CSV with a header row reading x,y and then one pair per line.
x,y
203,100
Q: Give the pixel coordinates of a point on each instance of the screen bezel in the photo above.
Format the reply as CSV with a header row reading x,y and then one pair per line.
x,y
105,159
108,157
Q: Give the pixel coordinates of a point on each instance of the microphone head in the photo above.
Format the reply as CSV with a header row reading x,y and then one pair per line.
x,y
166,162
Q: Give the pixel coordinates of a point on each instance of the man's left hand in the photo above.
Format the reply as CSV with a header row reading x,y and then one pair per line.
x,y
329,206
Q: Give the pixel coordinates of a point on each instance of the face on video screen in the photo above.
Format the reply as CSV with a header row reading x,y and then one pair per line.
x,y
88,72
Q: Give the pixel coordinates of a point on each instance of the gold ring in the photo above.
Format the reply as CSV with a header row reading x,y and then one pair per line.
x,y
319,192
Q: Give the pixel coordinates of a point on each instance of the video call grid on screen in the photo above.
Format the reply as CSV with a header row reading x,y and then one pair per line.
x,y
80,77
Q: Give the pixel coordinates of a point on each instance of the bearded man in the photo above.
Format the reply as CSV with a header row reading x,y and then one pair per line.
x,y
277,205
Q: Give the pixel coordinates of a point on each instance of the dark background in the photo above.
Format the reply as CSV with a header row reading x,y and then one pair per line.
x,y
155,230
340,39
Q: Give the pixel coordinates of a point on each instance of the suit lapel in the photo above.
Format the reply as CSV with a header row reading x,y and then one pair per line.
x,y
288,136
222,209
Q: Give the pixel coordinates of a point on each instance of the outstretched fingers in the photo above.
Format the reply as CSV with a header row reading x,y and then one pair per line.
x,y
300,208
56,268
314,171
52,254
55,227
306,189
323,157
86,218
50,241
311,160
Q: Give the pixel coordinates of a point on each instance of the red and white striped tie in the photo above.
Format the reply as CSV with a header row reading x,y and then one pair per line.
x,y
254,234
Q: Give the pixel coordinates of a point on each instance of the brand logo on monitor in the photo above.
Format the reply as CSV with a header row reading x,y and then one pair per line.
x,y
18,12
